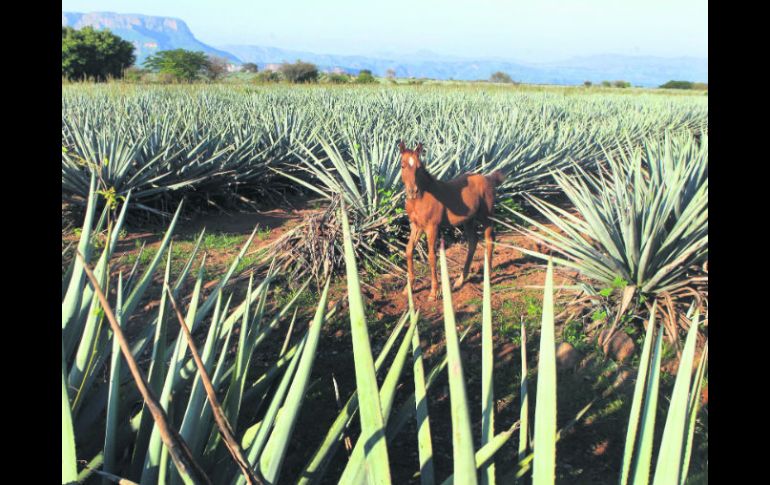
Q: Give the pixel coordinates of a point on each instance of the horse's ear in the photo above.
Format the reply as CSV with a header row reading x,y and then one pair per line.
x,y
401,146
418,150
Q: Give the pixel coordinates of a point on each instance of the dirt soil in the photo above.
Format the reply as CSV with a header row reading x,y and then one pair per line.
x,y
589,452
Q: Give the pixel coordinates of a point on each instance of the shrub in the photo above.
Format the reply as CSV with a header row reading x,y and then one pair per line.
x,y
249,67
365,77
300,72
500,77
587,84
337,78
683,85
267,77
621,84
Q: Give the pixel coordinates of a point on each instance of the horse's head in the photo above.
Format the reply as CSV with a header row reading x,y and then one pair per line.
x,y
412,171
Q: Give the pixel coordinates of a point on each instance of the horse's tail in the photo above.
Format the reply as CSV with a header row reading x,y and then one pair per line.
x,y
496,177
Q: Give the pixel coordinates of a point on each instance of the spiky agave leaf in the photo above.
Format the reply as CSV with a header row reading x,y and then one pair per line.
x,y
316,467
69,471
462,437
544,466
425,444
355,470
636,403
487,378
372,423
668,468
275,449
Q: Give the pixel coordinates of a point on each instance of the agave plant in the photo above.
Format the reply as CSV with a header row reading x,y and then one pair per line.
x,y
175,143
86,349
166,143
182,417
641,220
676,443
359,165
368,183
207,417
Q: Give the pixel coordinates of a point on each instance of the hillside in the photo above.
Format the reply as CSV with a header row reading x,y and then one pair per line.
x,y
148,34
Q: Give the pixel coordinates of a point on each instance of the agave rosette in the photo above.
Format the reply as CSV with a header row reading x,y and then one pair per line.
x,y
641,220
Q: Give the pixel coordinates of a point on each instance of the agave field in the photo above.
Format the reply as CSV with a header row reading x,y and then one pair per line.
x,y
240,144
174,372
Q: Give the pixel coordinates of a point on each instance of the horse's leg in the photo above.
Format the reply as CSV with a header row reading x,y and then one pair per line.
x,y
470,235
414,236
489,240
432,233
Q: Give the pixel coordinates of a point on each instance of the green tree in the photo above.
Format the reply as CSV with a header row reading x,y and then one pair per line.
x,y
94,54
181,64
267,76
249,67
621,84
587,84
338,78
677,85
500,77
300,72
365,77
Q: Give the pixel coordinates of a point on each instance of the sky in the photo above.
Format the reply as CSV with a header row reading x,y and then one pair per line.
x,y
525,30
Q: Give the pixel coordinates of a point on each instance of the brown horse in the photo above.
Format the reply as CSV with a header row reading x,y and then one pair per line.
x,y
430,202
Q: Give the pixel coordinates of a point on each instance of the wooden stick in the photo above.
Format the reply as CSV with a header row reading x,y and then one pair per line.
x,y
219,416
178,449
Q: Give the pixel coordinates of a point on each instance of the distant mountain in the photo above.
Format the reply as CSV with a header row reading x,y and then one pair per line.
x,y
148,34
639,70
151,34
420,64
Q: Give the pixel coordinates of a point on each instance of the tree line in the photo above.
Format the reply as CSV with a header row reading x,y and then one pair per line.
x,y
98,55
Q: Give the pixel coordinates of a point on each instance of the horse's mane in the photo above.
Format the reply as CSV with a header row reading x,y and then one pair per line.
x,y
426,179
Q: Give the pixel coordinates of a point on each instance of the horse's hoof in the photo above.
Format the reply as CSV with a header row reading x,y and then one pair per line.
x,y
433,296
405,291
458,283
